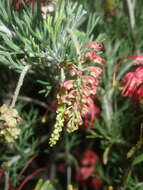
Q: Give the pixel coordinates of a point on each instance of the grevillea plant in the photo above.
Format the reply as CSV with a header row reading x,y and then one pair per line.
x,y
76,96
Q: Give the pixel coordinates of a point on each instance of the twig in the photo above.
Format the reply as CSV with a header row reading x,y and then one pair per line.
x,y
28,178
26,166
53,171
15,159
6,181
107,106
69,174
31,100
19,84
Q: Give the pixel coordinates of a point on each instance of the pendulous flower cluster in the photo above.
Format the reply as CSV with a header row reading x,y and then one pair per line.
x,y
77,95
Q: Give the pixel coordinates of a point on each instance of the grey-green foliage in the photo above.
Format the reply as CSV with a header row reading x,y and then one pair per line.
x,y
134,184
28,38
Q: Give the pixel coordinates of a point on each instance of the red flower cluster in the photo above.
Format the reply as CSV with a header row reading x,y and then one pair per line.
x,y
87,165
96,183
76,97
132,83
88,162
80,94
94,48
92,56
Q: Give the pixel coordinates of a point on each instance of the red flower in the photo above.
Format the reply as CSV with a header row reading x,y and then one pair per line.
x,y
99,60
88,92
1,173
139,92
84,173
74,72
90,81
19,2
132,83
96,184
92,113
87,163
91,56
138,60
67,85
95,45
90,153
94,71
89,158
62,168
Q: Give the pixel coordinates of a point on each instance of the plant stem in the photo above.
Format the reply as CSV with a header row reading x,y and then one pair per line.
x,y
69,175
19,84
62,75
127,175
29,177
6,181
131,8
27,164
30,100
53,171
107,106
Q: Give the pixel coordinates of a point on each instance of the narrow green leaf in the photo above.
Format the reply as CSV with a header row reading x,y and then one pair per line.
x,y
138,159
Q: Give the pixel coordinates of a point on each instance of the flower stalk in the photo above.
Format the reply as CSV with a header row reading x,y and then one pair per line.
x,y
19,84
131,7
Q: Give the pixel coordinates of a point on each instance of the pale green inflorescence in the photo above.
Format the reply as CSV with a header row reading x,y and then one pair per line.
x,y
9,120
10,134
74,122
58,126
